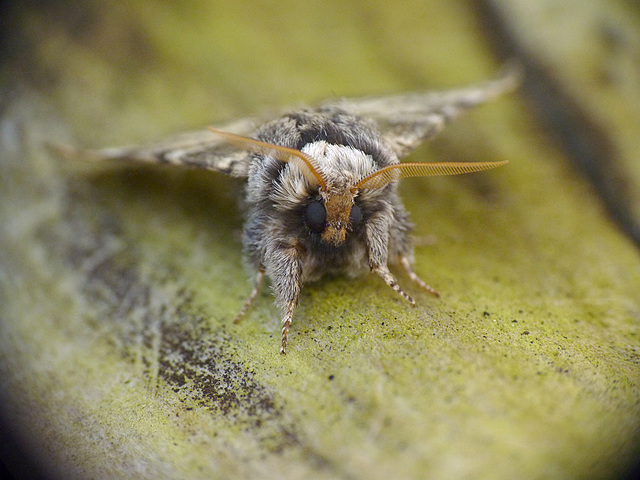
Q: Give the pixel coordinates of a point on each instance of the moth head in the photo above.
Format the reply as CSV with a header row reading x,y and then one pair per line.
x,y
334,213
330,215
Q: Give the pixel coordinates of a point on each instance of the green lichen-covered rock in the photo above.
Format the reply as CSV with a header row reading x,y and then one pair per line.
x,y
119,357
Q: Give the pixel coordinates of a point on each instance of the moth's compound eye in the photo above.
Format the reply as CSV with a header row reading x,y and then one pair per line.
x,y
316,216
355,217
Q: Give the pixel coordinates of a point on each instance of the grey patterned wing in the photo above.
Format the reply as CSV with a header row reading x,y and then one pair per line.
x,y
405,121
198,149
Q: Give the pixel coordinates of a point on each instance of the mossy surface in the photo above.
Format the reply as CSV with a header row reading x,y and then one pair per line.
x,y
118,285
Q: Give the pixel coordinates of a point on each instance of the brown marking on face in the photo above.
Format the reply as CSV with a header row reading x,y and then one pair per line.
x,y
338,204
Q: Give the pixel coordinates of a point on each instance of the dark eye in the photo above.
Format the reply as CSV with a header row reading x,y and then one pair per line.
x,y
315,216
355,217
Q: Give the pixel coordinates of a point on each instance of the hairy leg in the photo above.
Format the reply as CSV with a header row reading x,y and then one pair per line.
x,y
284,267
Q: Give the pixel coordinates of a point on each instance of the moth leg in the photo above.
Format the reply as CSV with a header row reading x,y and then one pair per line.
x,y
387,276
257,284
284,267
413,276
377,231
286,324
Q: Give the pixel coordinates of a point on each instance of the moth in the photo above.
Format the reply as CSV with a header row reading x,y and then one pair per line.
x,y
321,183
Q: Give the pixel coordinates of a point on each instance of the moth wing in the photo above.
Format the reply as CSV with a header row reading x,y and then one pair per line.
x,y
197,149
407,120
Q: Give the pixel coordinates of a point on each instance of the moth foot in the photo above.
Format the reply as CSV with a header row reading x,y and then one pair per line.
x,y
252,296
286,324
389,279
413,276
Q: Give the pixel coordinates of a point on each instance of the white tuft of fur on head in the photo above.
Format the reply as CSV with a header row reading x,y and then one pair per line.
x,y
341,165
